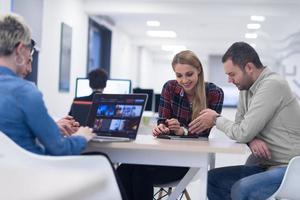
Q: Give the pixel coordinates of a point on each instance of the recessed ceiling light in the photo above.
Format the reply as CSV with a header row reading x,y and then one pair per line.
x,y
250,35
163,34
253,26
174,48
153,23
258,18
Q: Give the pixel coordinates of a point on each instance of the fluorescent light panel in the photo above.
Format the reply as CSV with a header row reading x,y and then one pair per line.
x,y
174,48
253,26
153,23
250,35
162,34
258,18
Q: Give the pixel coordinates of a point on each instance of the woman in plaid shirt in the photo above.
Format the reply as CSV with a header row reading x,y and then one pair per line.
x,y
183,99
181,102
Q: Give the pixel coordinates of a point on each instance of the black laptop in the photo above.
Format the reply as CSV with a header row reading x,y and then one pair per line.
x,y
116,117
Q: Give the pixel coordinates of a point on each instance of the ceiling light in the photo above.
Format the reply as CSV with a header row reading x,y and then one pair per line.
x,y
153,23
163,34
258,18
174,48
253,26
250,35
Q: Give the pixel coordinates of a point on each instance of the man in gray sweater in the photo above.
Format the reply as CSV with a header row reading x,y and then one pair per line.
x,y
267,119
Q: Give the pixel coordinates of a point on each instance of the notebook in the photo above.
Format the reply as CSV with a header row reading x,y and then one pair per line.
x,y
116,117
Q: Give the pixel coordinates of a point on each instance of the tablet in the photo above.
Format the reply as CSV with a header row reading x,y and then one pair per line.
x,y
182,137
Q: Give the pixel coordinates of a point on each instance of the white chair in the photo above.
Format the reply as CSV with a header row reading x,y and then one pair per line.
x,y
25,175
289,188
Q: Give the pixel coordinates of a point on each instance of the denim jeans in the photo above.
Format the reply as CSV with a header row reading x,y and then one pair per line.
x,y
243,182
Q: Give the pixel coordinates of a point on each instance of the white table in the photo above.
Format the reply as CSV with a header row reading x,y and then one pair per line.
x,y
198,155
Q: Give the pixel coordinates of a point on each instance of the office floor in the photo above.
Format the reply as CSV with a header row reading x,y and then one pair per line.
x,y
221,159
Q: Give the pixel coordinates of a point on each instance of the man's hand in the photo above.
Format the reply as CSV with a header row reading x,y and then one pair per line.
x,y
204,121
260,149
67,125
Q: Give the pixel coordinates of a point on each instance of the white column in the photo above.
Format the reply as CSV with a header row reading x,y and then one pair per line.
x,y
5,6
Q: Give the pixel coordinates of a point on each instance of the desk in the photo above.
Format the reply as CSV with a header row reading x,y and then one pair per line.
x,y
152,151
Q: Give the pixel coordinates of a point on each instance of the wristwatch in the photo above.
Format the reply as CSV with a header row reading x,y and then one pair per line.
x,y
185,131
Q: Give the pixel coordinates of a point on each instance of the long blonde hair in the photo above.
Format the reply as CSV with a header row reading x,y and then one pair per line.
x,y
199,101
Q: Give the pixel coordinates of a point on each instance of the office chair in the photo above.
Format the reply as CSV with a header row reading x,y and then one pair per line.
x,y
28,176
289,187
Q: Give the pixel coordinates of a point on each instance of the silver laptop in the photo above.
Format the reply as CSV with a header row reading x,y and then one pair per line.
x,y
116,117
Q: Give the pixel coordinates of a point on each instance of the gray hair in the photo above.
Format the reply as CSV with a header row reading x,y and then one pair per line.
x,y
13,30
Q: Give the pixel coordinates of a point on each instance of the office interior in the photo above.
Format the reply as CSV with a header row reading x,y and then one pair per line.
x,y
206,27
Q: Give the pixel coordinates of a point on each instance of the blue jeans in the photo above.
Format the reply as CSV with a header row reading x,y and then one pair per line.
x,y
243,182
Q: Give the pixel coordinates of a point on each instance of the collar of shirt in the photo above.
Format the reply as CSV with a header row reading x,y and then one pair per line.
x,y
262,75
7,71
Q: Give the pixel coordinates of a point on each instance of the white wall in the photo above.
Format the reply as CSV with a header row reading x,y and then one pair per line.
x,y
5,6
71,13
124,57
34,19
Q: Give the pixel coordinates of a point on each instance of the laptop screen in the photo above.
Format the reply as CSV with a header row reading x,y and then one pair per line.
x,y
117,115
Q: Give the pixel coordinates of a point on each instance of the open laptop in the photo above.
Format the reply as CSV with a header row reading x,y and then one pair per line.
x,y
116,117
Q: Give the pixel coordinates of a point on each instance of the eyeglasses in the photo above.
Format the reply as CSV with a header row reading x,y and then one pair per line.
x,y
31,47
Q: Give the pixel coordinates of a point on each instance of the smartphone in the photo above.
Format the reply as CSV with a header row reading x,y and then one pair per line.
x,y
162,121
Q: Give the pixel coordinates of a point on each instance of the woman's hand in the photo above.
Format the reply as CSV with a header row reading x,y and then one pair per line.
x,y
85,132
160,129
174,125
67,125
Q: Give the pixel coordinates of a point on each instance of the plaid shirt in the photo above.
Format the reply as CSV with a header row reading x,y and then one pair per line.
x,y
174,103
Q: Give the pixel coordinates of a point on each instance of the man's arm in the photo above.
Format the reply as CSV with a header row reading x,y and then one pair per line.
x,y
262,108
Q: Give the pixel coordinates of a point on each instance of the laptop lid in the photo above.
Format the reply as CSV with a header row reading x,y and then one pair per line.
x,y
116,115
80,111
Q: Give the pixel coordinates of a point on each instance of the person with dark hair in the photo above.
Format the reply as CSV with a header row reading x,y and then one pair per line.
x,y
267,119
181,102
97,81
24,117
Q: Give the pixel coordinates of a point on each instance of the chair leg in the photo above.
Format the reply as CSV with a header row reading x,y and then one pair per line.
x,y
169,191
187,195
160,194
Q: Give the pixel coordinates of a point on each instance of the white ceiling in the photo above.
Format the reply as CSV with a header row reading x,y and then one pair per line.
x,y
205,26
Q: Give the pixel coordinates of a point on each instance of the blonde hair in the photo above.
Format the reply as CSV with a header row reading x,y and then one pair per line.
x,y
13,30
199,101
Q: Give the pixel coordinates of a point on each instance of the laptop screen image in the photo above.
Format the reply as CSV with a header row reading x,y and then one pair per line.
x,y
117,115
